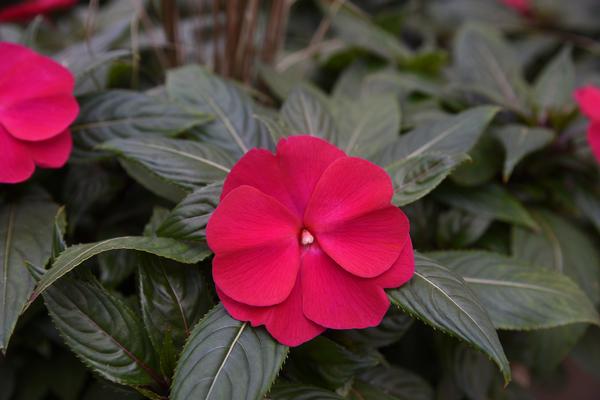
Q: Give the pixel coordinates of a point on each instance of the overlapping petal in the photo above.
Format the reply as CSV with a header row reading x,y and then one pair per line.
x,y
30,8
588,98
401,271
51,153
16,165
593,135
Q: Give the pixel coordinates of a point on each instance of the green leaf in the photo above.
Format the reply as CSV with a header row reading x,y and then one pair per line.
x,y
26,228
103,331
358,30
588,204
489,200
484,164
164,247
350,81
296,391
519,141
587,351
363,391
485,64
560,246
458,228
415,177
451,136
121,114
174,298
227,359
399,84
518,296
187,221
553,88
234,128
367,124
184,163
391,329
307,111
398,382
442,299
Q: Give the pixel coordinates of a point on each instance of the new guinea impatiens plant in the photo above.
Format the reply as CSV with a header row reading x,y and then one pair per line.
x,y
311,199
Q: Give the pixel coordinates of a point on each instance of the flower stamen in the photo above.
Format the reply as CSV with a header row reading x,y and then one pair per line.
x,y
306,238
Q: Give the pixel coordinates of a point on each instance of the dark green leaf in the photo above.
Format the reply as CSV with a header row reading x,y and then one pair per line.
x,y
103,331
295,391
164,247
443,300
587,351
490,200
188,219
363,391
307,111
227,359
458,228
400,84
518,296
484,164
518,142
121,114
26,228
553,89
391,329
235,128
398,382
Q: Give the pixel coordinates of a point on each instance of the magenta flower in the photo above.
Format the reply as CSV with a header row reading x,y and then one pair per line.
x,y
36,108
307,239
28,9
588,98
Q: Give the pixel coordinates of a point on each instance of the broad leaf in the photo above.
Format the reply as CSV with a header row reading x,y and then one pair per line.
x,y
174,298
391,329
517,296
121,114
361,390
442,299
415,177
485,64
518,142
367,124
350,81
164,247
26,227
451,136
399,382
306,111
560,246
491,200
184,163
458,228
296,391
103,331
234,127
484,164
399,84
188,219
553,89
587,351
227,359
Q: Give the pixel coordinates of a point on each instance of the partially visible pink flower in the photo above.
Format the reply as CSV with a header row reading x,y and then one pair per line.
x,y
307,239
28,9
36,108
522,6
588,98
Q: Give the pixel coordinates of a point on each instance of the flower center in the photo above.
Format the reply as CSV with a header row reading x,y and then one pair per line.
x,y
306,237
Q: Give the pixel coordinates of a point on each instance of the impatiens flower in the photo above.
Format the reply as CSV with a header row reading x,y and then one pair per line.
x,y
28,9
36,108
588,98
522,6
307,239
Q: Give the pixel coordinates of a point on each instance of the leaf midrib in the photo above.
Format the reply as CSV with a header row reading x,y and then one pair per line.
x,y
222,365
520,285
7,250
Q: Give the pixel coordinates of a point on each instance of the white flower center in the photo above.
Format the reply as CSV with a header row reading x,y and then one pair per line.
x,y
306,237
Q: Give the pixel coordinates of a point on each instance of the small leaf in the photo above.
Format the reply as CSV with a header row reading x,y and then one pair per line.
x,y
518,142
490,200
184,163
306,111
234,127
553,88
26,228
103,331
121,114
227,359
442,299
451,136
296,391
415,177
187,221
164,247
518,296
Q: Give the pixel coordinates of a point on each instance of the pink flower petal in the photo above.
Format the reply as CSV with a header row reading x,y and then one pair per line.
x,y
51,153
350,187
31,8
401,271
259,168
39,118
593,135
256,242
336,299
303,160
367,245
285,321
588,98
16,164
